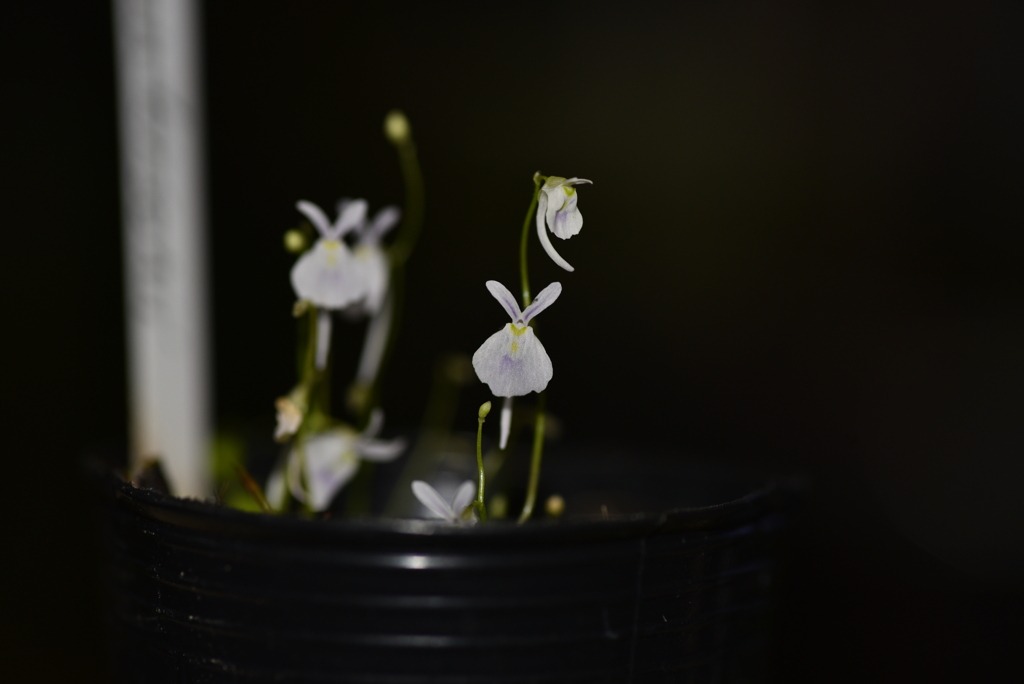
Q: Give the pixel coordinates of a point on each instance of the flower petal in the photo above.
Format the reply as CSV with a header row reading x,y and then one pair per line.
x,y
383,221
463,497
505,298
274,489
380,450
316,216
545,242
324,276
568,220
374,269
374,425
544,299
577,181
555,201
429,497
331,462
351,215
513,362
505,422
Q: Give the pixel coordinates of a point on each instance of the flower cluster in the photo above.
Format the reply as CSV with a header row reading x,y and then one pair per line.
x,y
513,362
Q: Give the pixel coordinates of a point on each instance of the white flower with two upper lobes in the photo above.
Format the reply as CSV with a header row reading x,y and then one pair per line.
x,y
331,458
556,207
512,361
326,275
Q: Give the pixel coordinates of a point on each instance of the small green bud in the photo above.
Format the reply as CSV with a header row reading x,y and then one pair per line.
x,y
294,241
396,127
485,408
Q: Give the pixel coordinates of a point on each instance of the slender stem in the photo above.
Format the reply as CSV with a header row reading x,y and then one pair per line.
x,y
480,469
524,241
538,452
398,255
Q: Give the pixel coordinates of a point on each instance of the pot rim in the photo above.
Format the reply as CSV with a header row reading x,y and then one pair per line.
x,y
223,521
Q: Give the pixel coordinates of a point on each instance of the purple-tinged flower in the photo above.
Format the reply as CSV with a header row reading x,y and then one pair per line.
x,y
556,208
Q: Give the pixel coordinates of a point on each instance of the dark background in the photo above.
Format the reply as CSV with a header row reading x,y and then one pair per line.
x,y
803,247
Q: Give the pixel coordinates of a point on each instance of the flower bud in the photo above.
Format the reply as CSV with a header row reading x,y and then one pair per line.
x,y
396,127
554,506
295,241
485,408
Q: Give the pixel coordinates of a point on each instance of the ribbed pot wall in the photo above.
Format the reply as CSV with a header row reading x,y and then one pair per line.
x,y
200,593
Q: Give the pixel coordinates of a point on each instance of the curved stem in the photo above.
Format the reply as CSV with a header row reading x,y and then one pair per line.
x,y
524,241
538,452
398,255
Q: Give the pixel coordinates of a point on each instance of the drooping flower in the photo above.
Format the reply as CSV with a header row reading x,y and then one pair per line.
x,y
324,275
436,504
512,361
556,208
327,461
371,260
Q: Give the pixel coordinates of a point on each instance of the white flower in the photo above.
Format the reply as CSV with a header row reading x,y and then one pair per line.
x,y
325,274
556,207
370,260
331,459
435,503
512,361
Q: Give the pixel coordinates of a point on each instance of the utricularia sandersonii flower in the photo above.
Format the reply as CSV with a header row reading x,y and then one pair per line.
x,y
556,208
319,466
439,508
512,361
324,275
332,277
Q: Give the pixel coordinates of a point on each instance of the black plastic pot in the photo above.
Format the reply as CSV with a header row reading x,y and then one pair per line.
x,y
200,593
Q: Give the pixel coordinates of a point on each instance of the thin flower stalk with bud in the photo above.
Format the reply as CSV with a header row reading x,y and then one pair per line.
x,y
513,362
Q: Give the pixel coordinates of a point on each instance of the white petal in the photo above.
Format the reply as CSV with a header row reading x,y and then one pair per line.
x,y
513,363
383,221
429,497
352,215
327,480
374,425
380,450
323,338
331,462
556,200
506,422
545,298
294,466
316,216
568,220
325,276
374,269
463,497
505,298
545,242
274,489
